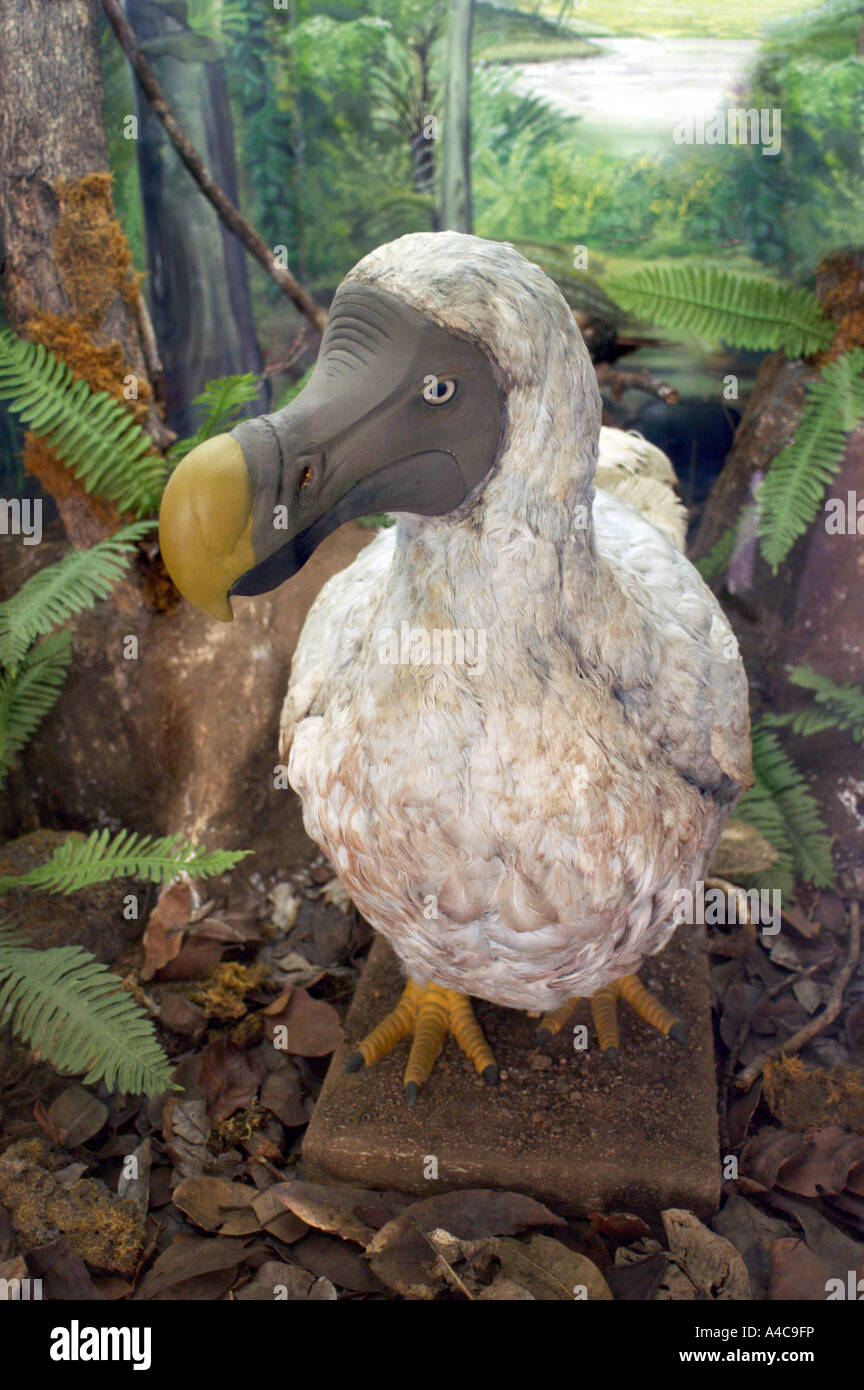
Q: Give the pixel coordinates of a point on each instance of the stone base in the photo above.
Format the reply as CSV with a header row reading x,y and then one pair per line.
x,y
563,1126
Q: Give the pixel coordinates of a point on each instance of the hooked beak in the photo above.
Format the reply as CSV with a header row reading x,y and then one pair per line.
x,y
244,511
205,524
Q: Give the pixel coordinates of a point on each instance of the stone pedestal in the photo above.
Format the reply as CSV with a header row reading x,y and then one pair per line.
x,y
562,1126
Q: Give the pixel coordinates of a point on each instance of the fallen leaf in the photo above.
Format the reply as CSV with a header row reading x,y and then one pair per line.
x,y
137,1187
825,1164
196,959
404,1259
639,1280
330,1257
281,1094
208,1201
709,1260
551,1271
277,1282
180,1015
64,1275
229,1078
11,1270
765,1155
187,1257
306,1026
796,1273
504,1290
163,934
332,1209
753,1232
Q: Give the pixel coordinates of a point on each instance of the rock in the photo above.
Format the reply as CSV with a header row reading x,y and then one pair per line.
x,y
106,1231
184,737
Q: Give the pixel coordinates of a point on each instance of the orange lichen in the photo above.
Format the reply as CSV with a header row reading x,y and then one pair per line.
x,y
222,995
101,366
105,1230
840,286
91,248
803,1098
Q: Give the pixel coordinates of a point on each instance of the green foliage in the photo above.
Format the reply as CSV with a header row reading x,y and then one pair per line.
x,y
29,692
838,707
61,590
222,400
96,438
795,484
79,863
783,809
725,305
716,562
72,1010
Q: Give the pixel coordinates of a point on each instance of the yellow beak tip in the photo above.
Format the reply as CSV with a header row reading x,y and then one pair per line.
x,y
205,525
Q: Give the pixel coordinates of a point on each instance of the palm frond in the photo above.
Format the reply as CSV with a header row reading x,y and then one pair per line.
x,y
721,304
782,807
26,695
222,399
97,440
61,590
795,484
72,1011
99,858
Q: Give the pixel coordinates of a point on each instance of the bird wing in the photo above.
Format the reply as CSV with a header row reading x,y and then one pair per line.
x,y
636,470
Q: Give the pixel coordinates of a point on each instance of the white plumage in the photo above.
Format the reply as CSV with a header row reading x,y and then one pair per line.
x,y
518,827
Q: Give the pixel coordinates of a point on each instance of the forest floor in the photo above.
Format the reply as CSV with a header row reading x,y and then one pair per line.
x,y
214,1203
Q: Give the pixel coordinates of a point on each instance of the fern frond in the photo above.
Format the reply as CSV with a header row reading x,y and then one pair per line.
x,y
836,706
222,399
72,1011
783,808
26,695
97,440
716,562
78,863
61,590
724,305
795,484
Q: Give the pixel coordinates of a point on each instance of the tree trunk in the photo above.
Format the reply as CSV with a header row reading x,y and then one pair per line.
x,y
456,142
198,287
67,274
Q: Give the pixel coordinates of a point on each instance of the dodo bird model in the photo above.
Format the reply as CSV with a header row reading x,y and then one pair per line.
x,y
516,827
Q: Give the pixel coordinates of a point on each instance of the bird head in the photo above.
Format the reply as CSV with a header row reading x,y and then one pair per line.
x,y
405,411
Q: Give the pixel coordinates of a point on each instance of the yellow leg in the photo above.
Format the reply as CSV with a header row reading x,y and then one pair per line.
x,y
429,1012
604,1012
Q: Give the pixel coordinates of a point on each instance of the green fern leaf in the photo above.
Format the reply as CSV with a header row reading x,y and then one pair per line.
x,y
99,858
793,489
222,399
782,807
725,305
26,695
97,440
63,589
71,1010
837,706
716,562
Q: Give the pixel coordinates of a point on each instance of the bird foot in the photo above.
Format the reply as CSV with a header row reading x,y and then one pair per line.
x,y
604,1012
429,1012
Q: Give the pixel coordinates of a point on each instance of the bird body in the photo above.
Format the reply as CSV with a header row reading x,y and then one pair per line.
x,y
518,827
518,720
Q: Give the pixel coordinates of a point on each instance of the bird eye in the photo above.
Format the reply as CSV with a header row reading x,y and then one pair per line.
x,y
437,391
